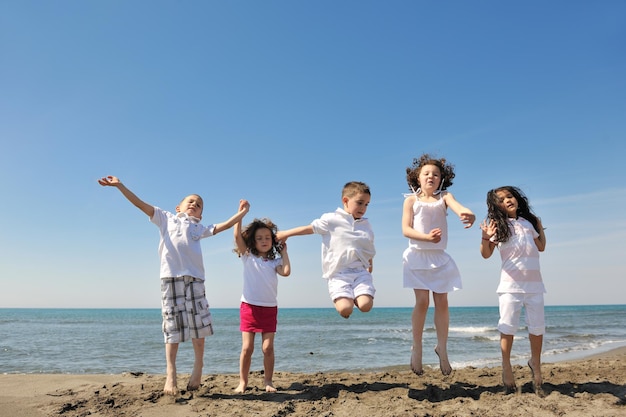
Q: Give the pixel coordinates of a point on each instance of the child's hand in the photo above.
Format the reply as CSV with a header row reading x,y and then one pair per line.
x,y
244,205
281,247
109,181
489,229
467,218
434,235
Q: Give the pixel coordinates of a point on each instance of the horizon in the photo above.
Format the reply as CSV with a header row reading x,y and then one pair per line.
x,y
431,307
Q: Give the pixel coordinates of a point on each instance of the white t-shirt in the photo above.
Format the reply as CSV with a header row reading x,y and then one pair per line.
x,y
520,260
346,243
260,280
179,249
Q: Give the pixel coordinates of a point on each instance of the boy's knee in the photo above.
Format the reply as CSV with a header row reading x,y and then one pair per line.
x,y
366,308
364,303
344,306
345,311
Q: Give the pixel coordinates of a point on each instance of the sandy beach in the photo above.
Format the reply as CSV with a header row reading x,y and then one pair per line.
x,y
595,386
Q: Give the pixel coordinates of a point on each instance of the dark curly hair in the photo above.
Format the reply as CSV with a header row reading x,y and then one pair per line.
x,y
495,213
248,233
413,172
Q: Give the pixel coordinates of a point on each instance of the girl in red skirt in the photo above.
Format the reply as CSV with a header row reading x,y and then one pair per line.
x,y
257,246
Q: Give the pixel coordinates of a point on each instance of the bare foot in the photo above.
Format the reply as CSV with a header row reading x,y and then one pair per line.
x,y
192,387
537,379
508,380
444,364
416,363
170,386
195,381
241,388
269,387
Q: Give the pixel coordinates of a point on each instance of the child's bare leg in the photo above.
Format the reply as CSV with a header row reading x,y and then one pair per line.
x,y
506,345
536,344
442,323
418,318
245,359
364,302
198,363
344,306
170,388
268,361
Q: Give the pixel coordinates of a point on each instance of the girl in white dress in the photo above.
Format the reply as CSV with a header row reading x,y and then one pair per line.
x,y
426,265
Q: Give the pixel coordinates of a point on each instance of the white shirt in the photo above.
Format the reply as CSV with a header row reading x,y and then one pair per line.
x,y
260,280
179,248
346,243
520,260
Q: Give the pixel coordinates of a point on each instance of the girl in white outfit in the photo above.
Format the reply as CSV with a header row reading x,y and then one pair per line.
x,y
258,248
426,265
516,231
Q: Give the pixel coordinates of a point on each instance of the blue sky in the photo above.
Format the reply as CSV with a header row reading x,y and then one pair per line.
x,y
281,103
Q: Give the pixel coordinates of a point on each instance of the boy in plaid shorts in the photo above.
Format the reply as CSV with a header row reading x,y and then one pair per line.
x,y
183,300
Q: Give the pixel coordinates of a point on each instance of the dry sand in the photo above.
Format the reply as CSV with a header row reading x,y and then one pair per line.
x,y
592,387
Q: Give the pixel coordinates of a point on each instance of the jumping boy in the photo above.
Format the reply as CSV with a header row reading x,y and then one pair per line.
x,y
347,250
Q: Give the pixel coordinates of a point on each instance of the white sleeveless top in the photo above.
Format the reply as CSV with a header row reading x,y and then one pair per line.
x,y
426,265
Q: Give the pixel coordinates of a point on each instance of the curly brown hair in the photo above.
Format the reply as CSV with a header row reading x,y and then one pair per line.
x,y
248,233
413,172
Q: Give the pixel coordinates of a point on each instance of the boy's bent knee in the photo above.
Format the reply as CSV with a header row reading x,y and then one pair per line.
x,y
364,303
344,306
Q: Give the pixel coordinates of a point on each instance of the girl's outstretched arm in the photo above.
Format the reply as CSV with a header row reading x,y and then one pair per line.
x,y
467,217
239,240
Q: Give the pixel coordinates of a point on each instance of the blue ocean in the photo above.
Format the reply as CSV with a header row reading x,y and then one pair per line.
x,y
112,341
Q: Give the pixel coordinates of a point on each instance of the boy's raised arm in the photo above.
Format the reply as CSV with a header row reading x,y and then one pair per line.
x,y
244,207
111,181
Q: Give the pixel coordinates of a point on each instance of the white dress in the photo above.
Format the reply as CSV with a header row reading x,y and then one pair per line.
x,y
426,265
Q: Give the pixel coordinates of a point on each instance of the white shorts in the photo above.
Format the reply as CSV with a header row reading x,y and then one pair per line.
x,y
351,284
510,309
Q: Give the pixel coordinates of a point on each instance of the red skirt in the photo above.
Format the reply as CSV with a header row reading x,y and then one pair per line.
x,y
257,319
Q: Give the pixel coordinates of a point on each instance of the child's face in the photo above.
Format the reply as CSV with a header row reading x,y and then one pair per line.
x,y
263,240
507,203
429,178
357,204
192,205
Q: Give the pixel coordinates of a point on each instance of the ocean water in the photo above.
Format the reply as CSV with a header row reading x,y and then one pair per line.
x,y
112,341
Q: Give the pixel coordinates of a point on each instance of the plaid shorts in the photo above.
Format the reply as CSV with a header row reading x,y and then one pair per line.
x,y
185,309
